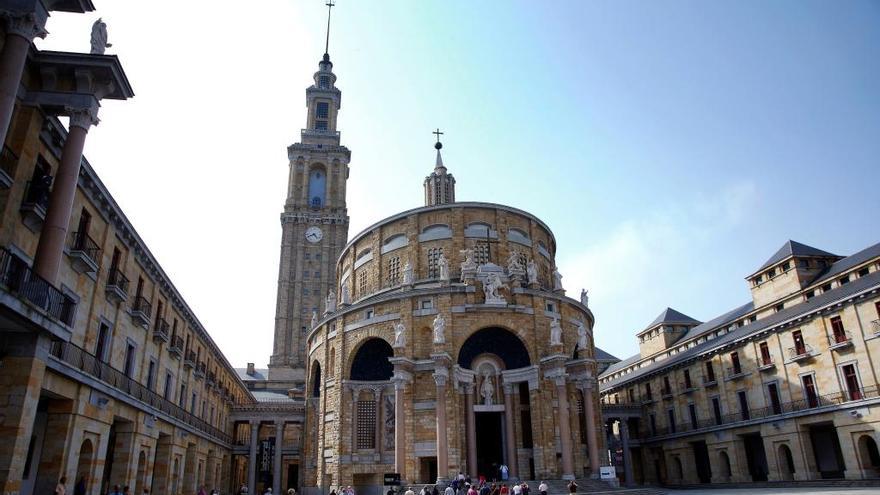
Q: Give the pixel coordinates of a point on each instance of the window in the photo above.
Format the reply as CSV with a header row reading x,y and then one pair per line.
x,y
786,266
811,294
851,380
362,283
653,421
838,331
317,186
366,424
710,372
716,409
810,394
773,398
734,359
324,82
166,392
551,307
151,375
667,388
433,256
670,415
799,347
648,391
863,272
687,379
394,270
826,287
426,304
765,354
481,253
320,125
129,360
692,411
368,314
322,110
631,395
844,280
779,307
743,404
617,398
192,403
181,401
102,347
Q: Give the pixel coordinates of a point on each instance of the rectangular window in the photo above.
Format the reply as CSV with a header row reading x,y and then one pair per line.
x,y
838,331
102,347
362,283
653,420
322,110
863,272
852,382
810,394
166,392
710,372
734,359
780,307
129,360
716,409
826,287
667,388
648,391
366,424
481,253
394,270
151,375
324,82
631,395
692,410
773,396
765,354
320,125
181,400
687,379
192,403
670,416
426,304
799,347
433,257
743,404
526,421
844,280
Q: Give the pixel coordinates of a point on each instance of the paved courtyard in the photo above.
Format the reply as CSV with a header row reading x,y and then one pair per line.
x,y
817,490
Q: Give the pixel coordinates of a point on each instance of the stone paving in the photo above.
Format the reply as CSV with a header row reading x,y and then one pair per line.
x,y
777,491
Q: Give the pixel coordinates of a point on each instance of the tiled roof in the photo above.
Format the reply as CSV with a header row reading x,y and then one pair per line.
x,y
622,364
670,315
604,356
265,396
863,283
793,248
847,263
259,374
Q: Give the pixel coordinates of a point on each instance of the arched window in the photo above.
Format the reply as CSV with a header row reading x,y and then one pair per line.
x,y
316,379
317,187
371,361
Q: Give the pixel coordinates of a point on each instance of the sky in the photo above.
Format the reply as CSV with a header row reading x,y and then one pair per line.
x,y
672,146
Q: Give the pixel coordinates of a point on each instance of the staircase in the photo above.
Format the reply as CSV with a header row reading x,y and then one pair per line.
x,y
588,486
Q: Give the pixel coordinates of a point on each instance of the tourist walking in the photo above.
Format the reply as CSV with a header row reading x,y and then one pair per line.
x,y
572,487
60,489
542,488
409,491
116,490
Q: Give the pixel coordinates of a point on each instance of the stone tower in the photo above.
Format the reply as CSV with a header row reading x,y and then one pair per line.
x,y
440,185
314,226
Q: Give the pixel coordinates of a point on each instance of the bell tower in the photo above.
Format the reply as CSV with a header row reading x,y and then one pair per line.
x,y
314,225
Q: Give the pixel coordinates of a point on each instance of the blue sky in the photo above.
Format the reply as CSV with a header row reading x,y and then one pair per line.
x,y
672,146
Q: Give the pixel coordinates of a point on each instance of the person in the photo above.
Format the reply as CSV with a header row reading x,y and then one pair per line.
x,y
542,488
484,488
125,491
390,490
243,489
517,489
435,490
525,488
504,490
116,490
472,491
333,491
572,487
291,491
201,490
409,491
267,492
449,490
494,490
60,489
213,491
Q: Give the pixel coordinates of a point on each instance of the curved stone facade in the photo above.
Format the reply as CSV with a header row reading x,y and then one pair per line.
x,y
429,374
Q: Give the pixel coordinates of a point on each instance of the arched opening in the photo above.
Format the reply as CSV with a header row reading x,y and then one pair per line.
x,y
724,462
869,456
371,362
141,473
786,463
498,341
316,379
84,463
317,187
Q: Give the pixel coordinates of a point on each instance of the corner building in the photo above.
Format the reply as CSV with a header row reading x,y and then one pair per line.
x,y
440,356
781,388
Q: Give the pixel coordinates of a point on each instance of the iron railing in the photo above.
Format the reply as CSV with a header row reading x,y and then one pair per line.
x,y
80,241
838,338
176,347
37,192
160,330
18,278
142,305
82,360
117,279
800,352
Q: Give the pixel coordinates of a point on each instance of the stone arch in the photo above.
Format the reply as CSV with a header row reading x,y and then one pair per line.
x,y
724,463
869,456
370,362
786,462
317,185
316,379
84,462
504,343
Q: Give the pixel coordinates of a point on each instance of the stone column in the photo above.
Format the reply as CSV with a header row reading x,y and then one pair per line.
x,y
471,430
508,431
276,461
627,456
51,244
21,28
440,377
252,458
399,428
564,428
592,444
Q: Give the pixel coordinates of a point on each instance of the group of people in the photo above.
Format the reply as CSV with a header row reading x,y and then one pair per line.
x,y
243,490
81,485
462,485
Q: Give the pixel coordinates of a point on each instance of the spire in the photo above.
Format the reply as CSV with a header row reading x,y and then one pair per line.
x,y
440,185
329,5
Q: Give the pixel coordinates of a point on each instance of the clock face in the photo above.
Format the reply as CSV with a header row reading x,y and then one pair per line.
x,y
314,234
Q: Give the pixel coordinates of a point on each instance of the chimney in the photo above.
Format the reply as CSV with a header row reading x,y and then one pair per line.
x,y
250,369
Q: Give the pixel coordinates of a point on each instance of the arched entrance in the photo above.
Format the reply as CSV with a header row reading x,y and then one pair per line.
x,y
316,379
141,473
869,456
786,463
84,463
371,362
487,353
724,462
679,470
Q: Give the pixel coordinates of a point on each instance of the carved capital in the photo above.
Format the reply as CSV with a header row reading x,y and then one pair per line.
x,y
508,388
24,24
441,376
83,117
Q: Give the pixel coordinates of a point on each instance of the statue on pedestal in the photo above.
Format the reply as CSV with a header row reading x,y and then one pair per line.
x,y
555,332
345,295
557,279
314,319
585,299
468,266
407,274
490,289
399,335
487,389
532,271
582,336
330,305
443,266
439,330
99,37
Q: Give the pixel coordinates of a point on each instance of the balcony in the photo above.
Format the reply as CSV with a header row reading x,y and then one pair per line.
x,y
735,373
117,286
189,360
8,161
176,347
211,379
160,331
140,312
200,370
83,252
687,387
666,393
840,340
36,202
766,364
20,281
709,381
801,353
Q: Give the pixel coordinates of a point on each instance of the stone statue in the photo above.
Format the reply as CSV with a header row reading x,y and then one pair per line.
x,y
468,266
330,305
345,295
557,279
407,274
443,265
585,299
399,335
314,319
439,330
582,336
487,389
99,37
555,332
490,289
513,264
532,271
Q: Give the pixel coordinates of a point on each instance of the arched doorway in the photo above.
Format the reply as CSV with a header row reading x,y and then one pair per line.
x,y
487,353
869,456
371,362
141,473
724,463
786,463
316,379
84,463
